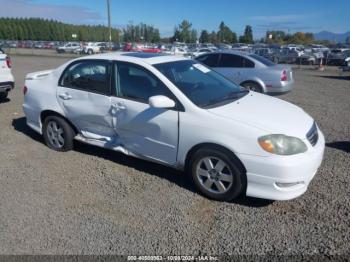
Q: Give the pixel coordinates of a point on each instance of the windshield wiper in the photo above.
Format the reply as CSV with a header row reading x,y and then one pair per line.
x,y
234,95
230,96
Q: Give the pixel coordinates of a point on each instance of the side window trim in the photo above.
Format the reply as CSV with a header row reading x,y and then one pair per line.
x,y
109,76
207,56
115,80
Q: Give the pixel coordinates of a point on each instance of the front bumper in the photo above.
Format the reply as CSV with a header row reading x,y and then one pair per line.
x,y
282,177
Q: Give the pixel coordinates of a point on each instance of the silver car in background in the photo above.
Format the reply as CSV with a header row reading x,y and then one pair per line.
x,y
251,71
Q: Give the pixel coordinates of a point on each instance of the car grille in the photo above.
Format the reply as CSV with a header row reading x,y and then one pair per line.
x,y
312,135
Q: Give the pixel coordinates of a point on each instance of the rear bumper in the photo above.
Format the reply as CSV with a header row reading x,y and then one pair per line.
x,y
282,88
6,86
282,177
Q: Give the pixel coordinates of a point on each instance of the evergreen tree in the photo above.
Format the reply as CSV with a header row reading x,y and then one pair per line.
x,y
204,37
248,35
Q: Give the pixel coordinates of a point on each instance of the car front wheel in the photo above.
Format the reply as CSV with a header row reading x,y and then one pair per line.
x,y
217,175
58,134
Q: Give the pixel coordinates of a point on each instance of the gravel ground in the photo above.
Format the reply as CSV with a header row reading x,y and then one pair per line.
x,y
94,201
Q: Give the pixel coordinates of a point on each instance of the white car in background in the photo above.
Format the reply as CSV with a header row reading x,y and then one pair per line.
x,y
177,51
7,82
180,113
91,48
198,51
72,47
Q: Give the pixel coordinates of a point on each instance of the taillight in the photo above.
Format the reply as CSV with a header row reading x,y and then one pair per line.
x,y
284,76
25,90
8,62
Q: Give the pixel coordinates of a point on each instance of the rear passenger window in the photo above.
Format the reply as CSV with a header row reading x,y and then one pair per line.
x,y
235,61
248,63
210,60
231,61
90,76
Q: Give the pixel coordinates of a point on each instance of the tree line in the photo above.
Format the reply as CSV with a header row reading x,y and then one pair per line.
x,y
38,29
185,33
141,33
281,37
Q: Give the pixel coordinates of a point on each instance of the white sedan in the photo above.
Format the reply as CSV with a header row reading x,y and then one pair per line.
x,y
180,113
7,81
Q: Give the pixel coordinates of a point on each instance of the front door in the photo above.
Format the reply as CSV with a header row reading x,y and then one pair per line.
x,y
84,94
143,130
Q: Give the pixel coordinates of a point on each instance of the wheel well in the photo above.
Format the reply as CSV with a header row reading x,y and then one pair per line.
x,y
194,149
221,148
253,82
47,113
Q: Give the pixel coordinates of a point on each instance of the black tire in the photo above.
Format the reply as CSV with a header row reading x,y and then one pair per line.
x,y
90,52
3,95
67,134
238,184
253,87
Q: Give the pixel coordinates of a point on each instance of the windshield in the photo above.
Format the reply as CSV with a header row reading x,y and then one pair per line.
x,y
201,85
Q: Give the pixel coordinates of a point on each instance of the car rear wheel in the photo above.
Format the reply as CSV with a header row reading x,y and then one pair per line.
x,y
253,87
3,95
90,52
217,175
58,134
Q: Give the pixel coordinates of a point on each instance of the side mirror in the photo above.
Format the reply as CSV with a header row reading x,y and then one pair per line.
x,y
161,102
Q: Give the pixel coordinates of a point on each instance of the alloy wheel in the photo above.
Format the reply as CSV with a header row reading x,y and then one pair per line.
x,y
214,175
55,134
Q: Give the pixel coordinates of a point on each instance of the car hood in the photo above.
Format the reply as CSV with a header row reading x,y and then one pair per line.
x,y
270,114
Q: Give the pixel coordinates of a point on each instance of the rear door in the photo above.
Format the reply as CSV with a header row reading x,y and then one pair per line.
x,y
143,130
84,94
231,66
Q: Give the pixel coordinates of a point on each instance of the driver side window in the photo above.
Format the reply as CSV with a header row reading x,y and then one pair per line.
x,y
137,83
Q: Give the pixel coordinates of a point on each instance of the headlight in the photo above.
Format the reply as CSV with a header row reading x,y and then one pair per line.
x,y
282,145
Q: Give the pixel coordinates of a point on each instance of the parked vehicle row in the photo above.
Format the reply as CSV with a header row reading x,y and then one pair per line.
x,y
290,54
147,105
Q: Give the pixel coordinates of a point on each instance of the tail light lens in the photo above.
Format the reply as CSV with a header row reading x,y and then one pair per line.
x,y
25,90
8,62
284,76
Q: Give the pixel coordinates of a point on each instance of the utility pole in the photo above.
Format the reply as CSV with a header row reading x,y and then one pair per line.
x,y
109,24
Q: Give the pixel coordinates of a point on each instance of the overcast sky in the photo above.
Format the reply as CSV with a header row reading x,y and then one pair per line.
x,y
292,16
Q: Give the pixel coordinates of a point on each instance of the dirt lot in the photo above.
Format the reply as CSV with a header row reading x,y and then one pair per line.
x,y
94,201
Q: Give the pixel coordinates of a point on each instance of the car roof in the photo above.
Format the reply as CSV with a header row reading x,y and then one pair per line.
x,y
232,52
149,58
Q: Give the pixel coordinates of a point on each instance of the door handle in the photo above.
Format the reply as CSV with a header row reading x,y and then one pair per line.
x,y
65,96
118,107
